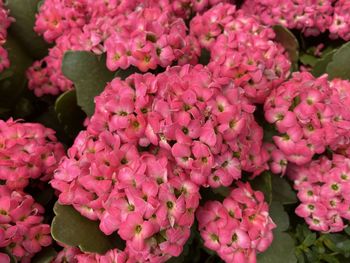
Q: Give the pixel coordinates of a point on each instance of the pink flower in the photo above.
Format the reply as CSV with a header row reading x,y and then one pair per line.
x,y
247,227
322,185
136,230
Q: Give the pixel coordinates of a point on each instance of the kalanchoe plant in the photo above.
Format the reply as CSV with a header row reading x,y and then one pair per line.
x,y
196,131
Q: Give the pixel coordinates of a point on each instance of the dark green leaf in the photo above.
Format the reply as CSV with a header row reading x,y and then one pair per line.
x,y
124,73
89,74
347,230
289,42
46,255
309,240
279,216
321,66
337,243
339,66
24,12
282,191
263,183
308,59
72,229
222,190
281,250
329,258
12,86
49,119
205,57
69,113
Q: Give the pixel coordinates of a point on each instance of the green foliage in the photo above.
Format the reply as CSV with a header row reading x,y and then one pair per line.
x,y
72,229
13,81
275,188
338,67
282,247
289,42
318,248
46,255
22,29
69,113
89,75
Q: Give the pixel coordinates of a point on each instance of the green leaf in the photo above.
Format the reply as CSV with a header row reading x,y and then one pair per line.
x,y
289,42
279,216
222,190
321,66
124,73
337,243
308,59
282,191
347,230
69,113
13,85
204,57
22,29
281,250
263,183
71,228
309,240
49,119
46,255
329,258
339,66
89,75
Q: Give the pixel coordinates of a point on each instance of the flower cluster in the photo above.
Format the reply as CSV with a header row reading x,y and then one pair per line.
x,y
205,122
242,49
323,188
239,227
150,203
144,34
310,114
340,26
21,229
74,255
27,151
151,143
311,17
5,22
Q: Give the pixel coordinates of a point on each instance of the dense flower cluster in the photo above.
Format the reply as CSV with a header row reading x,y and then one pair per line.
x,y
341,20
323,188
242,49
74,255
140,194
21,229
151,143
27,151
311,17
144,34
5,22
310,114
239,227
205,122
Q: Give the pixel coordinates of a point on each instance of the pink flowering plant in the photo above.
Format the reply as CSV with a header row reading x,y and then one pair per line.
x,y
192,131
